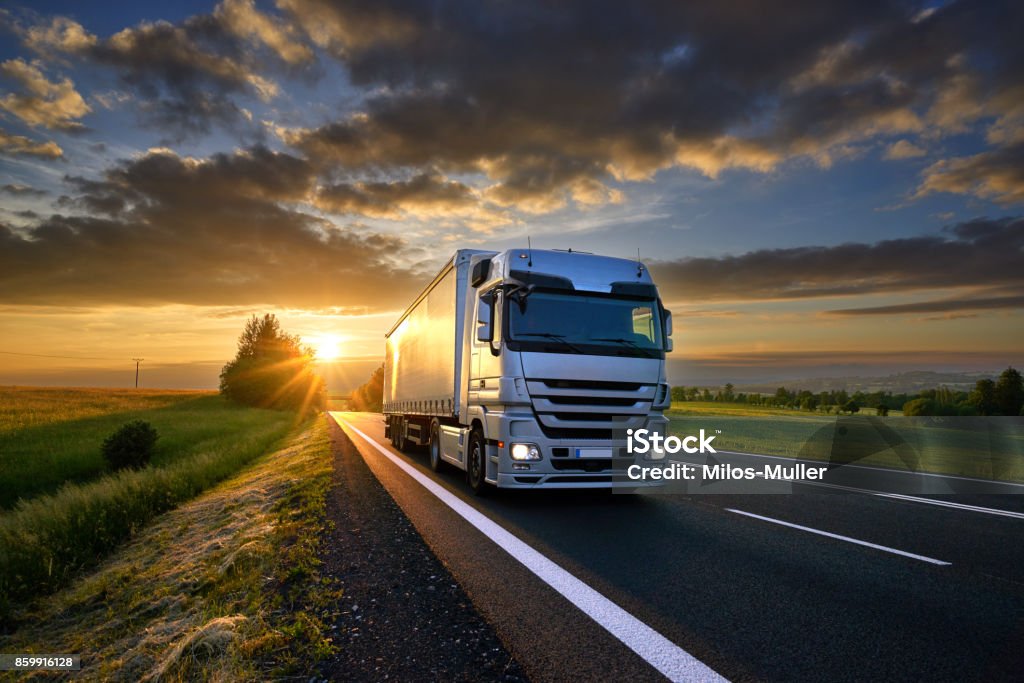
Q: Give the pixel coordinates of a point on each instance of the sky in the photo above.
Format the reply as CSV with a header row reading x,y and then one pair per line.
x,y
818,188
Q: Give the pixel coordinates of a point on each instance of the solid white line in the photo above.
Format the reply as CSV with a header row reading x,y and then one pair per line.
x,y
842,538
668,658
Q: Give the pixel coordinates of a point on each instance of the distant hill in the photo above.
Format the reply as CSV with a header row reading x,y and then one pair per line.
x,y
899,383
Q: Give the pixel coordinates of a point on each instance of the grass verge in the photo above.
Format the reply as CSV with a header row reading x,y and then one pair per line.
x,y
46,540
982,447
225,587
52,436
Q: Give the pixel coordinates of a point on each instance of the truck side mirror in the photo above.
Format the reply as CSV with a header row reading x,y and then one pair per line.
x,y
668,331
484,332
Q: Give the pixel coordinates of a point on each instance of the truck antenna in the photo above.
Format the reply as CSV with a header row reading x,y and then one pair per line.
x,y
529,250
639,266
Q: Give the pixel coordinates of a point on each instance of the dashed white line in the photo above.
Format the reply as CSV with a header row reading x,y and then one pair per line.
x,y
928,501
856,541
669,659
881,494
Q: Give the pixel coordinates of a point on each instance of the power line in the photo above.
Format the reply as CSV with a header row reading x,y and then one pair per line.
x,y
44,355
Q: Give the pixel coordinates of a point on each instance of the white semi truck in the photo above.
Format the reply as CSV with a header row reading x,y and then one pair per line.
x,y
525,368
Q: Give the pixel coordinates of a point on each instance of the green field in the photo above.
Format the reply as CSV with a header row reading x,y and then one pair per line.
x,y
65,509
52,436
988,448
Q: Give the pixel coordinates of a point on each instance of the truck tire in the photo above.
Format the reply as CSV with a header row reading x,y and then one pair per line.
x,y
476,463
435,447
393,435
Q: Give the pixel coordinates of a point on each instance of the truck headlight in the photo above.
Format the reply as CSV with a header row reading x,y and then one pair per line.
x,y
524,451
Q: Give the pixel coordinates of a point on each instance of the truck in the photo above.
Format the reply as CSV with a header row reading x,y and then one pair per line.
x,y
526,368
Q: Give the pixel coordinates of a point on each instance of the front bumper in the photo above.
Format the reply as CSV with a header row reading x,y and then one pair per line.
x,y
559,468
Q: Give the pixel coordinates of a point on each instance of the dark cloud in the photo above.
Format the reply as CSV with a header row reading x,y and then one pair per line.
x,y
938,306
979,253
19,145
222,231
18,190
424,196
42,102
185,76
997,175
430,192
552,100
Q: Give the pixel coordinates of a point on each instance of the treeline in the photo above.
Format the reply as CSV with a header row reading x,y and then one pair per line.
x,y
370,396
1004,396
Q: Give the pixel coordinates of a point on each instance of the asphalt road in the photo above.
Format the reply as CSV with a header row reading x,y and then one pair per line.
x,y
819,585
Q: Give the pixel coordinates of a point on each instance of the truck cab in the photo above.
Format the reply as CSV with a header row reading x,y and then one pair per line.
x,y
556,354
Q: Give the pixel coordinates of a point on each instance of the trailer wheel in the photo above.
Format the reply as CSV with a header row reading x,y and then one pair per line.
x,y
476,463
393,432
435,447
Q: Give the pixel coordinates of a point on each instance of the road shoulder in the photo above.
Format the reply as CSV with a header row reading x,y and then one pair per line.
x,y
402,615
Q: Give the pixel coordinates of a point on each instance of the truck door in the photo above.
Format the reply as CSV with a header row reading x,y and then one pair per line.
x,y
485,362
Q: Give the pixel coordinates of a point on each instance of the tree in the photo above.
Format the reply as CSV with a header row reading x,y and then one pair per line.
x,y
679,393
808,403
883,410
983,398
728,395
851,407
1009,392
370,396
272,369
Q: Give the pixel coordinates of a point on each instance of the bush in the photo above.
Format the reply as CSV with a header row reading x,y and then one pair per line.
x,y
131,446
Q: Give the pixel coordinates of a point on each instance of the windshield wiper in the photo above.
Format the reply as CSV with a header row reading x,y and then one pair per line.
x,y
550,335
621,340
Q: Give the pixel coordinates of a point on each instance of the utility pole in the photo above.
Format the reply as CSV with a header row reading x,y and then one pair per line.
x,y
137,361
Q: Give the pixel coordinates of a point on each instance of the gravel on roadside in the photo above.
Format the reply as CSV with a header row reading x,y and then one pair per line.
x,y
402,615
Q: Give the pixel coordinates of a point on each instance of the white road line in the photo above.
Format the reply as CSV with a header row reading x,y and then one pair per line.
x,y
928,501
889,470
842,538
668,658
896,496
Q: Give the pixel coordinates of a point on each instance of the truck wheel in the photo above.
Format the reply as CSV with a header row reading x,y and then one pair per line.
x,y
435,447
394,431
476,463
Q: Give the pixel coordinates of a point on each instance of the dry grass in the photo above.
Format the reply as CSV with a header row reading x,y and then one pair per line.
x,y
23,407
197,594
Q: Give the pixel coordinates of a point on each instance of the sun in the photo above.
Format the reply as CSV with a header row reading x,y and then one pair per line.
x,y
327,347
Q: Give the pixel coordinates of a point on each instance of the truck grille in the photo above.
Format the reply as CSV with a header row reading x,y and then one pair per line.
x,y
588,409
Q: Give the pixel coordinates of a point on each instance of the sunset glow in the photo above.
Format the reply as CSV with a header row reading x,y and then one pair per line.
x,y
825,192
327,347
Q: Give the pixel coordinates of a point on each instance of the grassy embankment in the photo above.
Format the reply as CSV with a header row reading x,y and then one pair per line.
x,y
225,587
68,509
988,448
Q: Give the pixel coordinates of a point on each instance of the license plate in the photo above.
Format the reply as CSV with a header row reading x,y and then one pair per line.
x,y
593,452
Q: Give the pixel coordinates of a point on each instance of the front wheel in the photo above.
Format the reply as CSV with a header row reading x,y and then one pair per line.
x,y
476,464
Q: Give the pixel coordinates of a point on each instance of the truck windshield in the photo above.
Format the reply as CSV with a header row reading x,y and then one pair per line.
x,y
587,323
